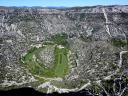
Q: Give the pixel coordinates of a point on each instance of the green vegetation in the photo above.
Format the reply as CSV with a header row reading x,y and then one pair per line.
x,y
125,55
113,66
37,68
119,42
61,62
60,66
108,85
60,39
95,88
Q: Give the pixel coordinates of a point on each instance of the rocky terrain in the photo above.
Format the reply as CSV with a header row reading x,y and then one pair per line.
x,y
96,37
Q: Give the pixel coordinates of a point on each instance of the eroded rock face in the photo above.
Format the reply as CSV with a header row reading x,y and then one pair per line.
x,y
96,37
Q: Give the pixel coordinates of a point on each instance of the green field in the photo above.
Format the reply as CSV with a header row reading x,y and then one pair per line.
x,y
60,68
61,62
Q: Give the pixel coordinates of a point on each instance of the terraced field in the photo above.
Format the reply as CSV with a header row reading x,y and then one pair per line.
x,y
61,62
